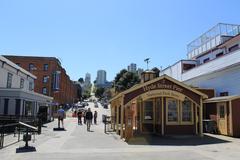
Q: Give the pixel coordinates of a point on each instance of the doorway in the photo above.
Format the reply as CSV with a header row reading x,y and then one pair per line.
x,y
222,118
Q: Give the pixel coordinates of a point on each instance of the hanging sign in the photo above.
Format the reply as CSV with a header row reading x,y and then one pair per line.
x,y
163,93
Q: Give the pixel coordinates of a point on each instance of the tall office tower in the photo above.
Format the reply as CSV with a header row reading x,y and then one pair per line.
x,y
101,77
132,67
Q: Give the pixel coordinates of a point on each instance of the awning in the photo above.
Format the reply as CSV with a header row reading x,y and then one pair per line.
x,y
221,99
24,94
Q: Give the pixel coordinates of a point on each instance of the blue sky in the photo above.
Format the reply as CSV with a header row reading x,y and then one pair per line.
x,y
87,35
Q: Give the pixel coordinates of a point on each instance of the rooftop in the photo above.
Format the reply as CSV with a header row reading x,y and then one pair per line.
x,y
212,38
5,60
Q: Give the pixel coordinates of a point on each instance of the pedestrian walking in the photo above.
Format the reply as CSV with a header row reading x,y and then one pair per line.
x,y
84,117
95,117
61,115
79,115
89,117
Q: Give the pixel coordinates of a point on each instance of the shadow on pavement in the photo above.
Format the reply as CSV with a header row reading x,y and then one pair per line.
x,y
26,149
174,140
59,129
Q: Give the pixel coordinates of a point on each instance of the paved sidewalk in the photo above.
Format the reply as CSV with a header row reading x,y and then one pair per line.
x,y
76,143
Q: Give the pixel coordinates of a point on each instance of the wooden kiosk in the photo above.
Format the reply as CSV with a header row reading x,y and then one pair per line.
x,y
158,105
225,111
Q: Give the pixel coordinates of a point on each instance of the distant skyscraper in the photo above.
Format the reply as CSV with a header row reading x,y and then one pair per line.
x,y
101,77
132,67
87,79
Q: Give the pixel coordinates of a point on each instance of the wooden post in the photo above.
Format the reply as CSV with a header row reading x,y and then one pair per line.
x,y
117,120
201,118
122,117
230,118
162,116
140,110
154,115
196,117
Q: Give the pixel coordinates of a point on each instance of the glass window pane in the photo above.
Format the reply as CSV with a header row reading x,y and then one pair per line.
x,y
148,110
172,110
158,111
222,112
186,111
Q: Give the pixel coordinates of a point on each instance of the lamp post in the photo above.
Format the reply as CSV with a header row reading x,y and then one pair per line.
x,y
147,60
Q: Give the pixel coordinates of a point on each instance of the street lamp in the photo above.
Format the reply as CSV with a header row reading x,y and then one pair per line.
x,y
147,60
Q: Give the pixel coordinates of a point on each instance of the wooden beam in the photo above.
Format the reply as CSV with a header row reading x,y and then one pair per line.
x,y
196,118
154,115
141,117
201,118
162,115
122,118
230,118
117,121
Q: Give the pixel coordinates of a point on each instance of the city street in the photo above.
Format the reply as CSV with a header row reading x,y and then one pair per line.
x,y
77,143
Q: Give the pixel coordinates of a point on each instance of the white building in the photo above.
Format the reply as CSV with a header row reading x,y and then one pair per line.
x,y
101,77
132,68
17,96
213,61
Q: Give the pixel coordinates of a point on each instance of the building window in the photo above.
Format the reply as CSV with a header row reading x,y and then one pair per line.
x,y
9,80
29,108
222,111
17,106
6,101
219,54
187,111
56,80
172,111
206,60
45,67
44,90
158,110
148,111
45,79
233,48
22,83
31,67
31,86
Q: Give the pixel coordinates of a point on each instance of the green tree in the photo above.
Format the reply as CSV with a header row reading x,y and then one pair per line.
x,y
125,80
86,94
81,80
99,92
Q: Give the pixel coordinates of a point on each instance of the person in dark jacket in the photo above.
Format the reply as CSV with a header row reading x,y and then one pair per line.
x,y
95,117
89,117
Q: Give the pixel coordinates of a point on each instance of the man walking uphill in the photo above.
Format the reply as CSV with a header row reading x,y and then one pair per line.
x,y
89,117
61,115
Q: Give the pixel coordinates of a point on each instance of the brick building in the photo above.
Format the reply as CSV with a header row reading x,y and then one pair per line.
x,y
52,79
